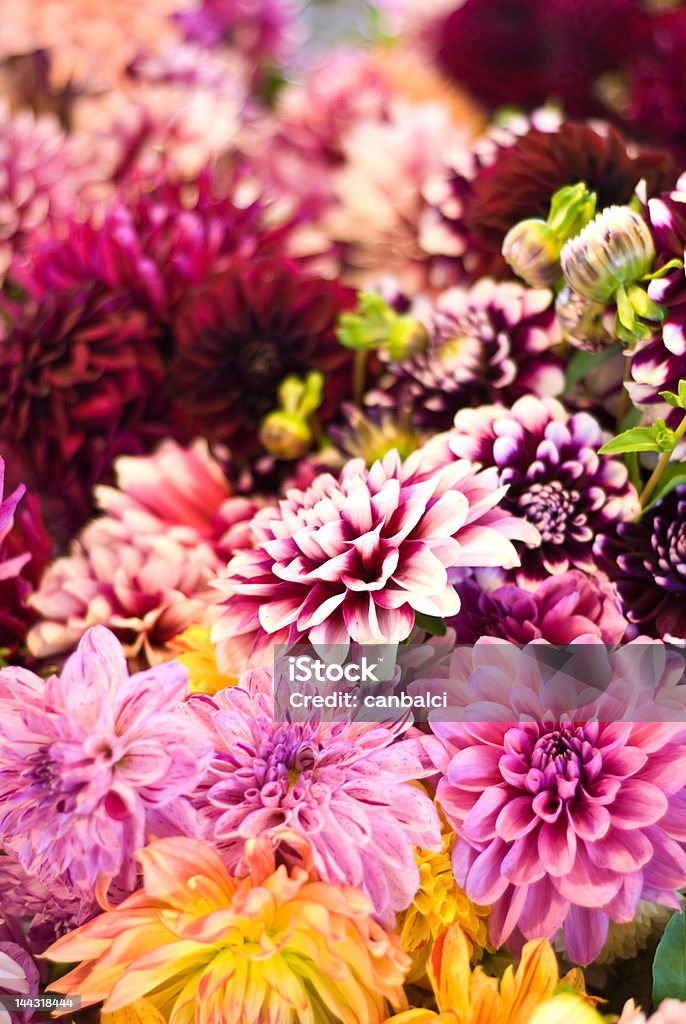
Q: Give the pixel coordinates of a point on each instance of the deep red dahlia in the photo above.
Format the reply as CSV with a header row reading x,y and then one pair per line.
x,y
239,335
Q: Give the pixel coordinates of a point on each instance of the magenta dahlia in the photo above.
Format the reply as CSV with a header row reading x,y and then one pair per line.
x,y
93,762
562,821
263,31
343,787
357,557
237,338
144,567
493,341
511,177
555,479
561,610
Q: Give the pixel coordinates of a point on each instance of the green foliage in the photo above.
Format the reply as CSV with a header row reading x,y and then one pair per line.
x,y
669,965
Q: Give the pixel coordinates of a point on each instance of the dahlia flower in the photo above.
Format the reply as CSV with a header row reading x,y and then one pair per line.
x,y
522,57
548,460
464,996
491,341
438,903
92,762
195,651
24,552
356,557
670,1011
18,977
562,820
647,561
42,175
342,787
512,177
40,913
89,46
653,107
200,944
238,337
562,609
262,31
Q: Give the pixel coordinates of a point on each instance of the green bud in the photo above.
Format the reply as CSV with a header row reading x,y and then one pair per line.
x,y
408,337
285,436
375,325
533,251
610,253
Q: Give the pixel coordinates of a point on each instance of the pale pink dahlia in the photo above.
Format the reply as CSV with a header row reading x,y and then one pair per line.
x,y
93,762
143,569
356,557
563,821
343,787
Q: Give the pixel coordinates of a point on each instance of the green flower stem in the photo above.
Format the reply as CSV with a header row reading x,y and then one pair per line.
x,y
359,376
625,400
662,463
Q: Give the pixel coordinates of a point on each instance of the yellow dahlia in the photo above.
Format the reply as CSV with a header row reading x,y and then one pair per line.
x,y
464,996
205,947
438,903
196,652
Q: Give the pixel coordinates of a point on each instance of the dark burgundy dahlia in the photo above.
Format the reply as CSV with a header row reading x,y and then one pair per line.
x,y
515,177
555,478
239,335
655,104
647,560
493,341
525,52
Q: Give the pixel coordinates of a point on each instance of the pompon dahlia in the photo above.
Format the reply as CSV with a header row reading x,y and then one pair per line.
x,y
524,55
342,787
356,557
511,177
144,567
555,479
241,334
563,820
274,947
25,549
490,342
647,561
93,761
42,177
562,609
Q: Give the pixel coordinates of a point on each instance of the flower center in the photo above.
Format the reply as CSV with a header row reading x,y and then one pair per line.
x,y
549,507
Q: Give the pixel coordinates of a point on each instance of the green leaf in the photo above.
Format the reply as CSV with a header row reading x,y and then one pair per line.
x,y
656,274
644,306
669,965
671,399
665,437
673,475
625,311
433,625
584,363
682,393
638,439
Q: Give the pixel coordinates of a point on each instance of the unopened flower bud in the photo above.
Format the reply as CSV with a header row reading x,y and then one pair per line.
x,y
408,337
612,252
285,436
581,321
532,249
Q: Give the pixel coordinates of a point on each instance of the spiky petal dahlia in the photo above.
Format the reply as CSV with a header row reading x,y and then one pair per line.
x,y
241,334
647,561
93,761
514,177
562,820
200,944
342,787
356,557
562,609
144,568
555,478
488,342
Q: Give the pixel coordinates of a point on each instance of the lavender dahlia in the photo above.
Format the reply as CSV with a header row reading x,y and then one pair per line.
x,y
342,787
555,478
560,820
356,557
92,762
647,561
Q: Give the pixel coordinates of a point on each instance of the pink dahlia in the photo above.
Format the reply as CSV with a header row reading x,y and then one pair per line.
x,y
93,762
562,609
343,787
563,821
356,557
262,31
35,913
18,977
24,553
555,479
144,568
